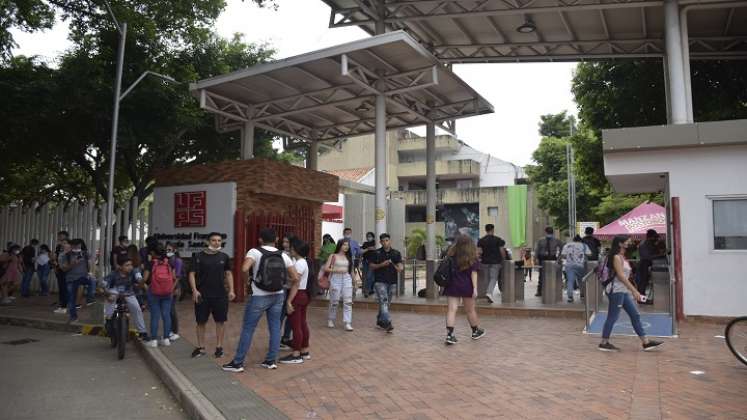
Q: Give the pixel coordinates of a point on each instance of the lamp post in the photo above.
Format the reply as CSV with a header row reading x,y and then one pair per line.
x,y
122,29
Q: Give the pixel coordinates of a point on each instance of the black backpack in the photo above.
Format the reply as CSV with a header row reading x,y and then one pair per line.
x,y
444,272
272,275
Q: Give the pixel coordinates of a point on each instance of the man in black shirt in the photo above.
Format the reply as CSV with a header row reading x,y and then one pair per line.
x,y
211,281
28,256
592,242
119,251
547,249
492,253
369,250
648,250
387,264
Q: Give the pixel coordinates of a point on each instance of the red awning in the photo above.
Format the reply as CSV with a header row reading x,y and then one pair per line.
x,y
331,213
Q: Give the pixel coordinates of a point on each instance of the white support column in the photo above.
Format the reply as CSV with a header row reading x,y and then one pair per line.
x,y
381,165
430,210
685,39
312,160
247,141
673,36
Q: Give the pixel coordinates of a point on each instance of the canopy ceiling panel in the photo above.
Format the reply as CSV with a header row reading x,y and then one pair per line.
x,y
330,94
463,31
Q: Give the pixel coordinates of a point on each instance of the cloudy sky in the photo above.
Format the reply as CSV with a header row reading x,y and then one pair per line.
x,y
520,93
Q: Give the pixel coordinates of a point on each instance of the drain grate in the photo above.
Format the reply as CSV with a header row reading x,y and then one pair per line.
x,y
21,341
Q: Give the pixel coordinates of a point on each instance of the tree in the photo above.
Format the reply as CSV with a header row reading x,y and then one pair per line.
x,y
556,125
417,239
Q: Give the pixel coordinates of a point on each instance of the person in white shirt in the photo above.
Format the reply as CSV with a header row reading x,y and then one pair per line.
x,y
299,297
272,269
574,255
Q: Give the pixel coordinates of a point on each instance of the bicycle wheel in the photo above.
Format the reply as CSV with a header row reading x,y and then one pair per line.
x,y
736,338
122,332
111,330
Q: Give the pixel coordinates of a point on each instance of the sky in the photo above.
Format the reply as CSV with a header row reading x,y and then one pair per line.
x,y
519,92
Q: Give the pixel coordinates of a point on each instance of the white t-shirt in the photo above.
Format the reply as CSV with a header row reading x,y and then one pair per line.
x,y
257,256
302,267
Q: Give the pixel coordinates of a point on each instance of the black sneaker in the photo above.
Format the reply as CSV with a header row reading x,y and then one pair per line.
x,y
489,298
380,325
284,346
233,367
306,356
291,360
198,352
570,300
651,345
143,336
389,328
77,307
451,339
269,364
218,352
478,334
607,347
90,302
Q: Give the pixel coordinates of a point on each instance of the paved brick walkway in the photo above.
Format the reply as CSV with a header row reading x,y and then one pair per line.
x,y
524,368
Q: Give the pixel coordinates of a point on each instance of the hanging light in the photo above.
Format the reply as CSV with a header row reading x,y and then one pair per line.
x,y
527,27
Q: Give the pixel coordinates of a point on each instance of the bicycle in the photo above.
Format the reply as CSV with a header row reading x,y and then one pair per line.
x,y
119,327
736,338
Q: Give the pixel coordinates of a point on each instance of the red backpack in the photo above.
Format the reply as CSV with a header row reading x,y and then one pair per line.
x,y
161,280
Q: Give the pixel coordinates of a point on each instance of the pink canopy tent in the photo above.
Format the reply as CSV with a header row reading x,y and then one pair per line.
x,y
636,222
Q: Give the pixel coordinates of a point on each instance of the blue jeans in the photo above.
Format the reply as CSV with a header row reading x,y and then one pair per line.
x,y
43,273
573,274
623,301
160,308
26,282
384,293
72,295
257,305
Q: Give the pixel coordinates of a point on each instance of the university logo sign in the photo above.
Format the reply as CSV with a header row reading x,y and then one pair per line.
x,y
190,209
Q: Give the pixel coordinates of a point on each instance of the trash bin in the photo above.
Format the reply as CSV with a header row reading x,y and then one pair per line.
x,y
552,287
508,272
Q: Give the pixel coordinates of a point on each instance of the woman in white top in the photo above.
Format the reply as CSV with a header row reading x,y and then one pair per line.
x,y
298,299
621,292
340,267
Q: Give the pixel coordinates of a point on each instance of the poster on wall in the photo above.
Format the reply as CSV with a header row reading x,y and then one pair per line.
x,y
186,214
461,218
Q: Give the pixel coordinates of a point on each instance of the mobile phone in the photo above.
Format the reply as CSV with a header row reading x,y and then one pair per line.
x,y
643,298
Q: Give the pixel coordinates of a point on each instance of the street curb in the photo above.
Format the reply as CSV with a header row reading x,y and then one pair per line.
x,y
194,403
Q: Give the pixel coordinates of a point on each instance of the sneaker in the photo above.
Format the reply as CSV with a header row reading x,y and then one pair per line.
x,y
389,328
330,324
6,301
78,307
380,325
306,356
151,343
478,334
218,352
291,360
143,336
651,345
164,343
348,327
284,346
90,302
269,364
198,352
174,337
570,300
607,347
233,367
60,311
489,298
451,339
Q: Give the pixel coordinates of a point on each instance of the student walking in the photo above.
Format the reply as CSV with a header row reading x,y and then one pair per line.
x,y
369,250
211,282
28,257
159,276
299,297
622,294
62,248
43,266
462,286
492,254
340,267
177,264
272,269
386,264
547,249
574,255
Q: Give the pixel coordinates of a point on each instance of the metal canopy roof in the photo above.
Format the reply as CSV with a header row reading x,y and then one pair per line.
x,y
464,31
330,94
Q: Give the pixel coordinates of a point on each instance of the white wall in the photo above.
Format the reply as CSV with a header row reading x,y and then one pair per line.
x,y
494,172
715,282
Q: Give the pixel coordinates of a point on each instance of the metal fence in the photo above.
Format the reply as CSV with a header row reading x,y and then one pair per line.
x,y
21,224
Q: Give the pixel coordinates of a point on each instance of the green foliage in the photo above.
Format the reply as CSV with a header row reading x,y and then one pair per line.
x,y
556,125
418,238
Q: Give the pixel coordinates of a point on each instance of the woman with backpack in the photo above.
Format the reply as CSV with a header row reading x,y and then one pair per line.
x,y
177,264
462,285
299,296
159,276
340,268
622,294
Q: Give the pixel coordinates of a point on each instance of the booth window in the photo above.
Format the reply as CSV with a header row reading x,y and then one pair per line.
x,y
730,224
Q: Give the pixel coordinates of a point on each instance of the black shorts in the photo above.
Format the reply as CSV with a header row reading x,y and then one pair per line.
x,y
218,306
